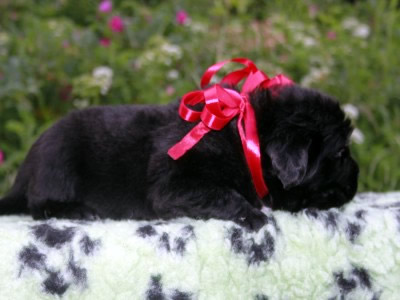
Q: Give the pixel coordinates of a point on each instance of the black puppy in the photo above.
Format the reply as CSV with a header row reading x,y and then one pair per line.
x,y
112,162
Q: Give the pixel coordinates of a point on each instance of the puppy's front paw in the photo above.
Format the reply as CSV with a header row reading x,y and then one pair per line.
x,y
254,220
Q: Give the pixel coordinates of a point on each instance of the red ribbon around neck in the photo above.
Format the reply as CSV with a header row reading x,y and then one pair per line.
x,y
224,104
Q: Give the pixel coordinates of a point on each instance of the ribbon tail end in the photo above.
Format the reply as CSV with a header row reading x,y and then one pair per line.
x,y
174,154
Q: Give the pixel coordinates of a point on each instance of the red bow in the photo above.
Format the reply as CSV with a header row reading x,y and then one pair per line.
x,y
221,106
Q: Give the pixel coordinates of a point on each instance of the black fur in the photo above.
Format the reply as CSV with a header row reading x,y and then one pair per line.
x,y
112,162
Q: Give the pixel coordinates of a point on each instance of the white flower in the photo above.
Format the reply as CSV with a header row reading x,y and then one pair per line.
x,y
172,50
167,61
149,56
351,111
4,39
296,26
103,77
350,23
361,31
357,136
81,103
103,71
315,75
198,27
357,28
173,74
309,41
56,27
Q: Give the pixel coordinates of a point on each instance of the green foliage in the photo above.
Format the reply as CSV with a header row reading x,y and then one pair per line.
x,y
52,62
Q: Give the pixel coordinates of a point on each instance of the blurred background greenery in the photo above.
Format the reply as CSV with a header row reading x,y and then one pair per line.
x,y
61,55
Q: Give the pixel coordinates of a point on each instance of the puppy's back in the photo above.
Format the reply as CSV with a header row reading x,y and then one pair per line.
x,y
91,155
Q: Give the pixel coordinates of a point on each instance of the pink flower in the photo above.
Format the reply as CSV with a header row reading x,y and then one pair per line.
x,y
312,10
105,6
1,157
14,16
116,24
181,17
105,42
170,90
65,44
331,35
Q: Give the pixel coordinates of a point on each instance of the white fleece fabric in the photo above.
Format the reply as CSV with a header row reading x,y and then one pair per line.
x,y
347,253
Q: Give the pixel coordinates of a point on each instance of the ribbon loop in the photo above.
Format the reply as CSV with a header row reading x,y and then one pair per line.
x,y
230,78
221,105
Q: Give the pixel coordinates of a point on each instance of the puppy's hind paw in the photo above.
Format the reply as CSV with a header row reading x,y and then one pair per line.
x,y
61,210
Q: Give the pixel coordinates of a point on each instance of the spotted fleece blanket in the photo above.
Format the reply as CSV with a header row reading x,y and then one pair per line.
x,y
349,253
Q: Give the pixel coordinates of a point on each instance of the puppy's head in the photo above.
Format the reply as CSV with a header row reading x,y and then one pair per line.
x,y
304,140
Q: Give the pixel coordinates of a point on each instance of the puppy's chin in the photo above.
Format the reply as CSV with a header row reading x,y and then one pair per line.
x,y
296,201
299,198
329,198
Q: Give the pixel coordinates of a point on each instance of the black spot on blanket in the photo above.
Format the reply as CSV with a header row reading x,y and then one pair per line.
x,y
55,284
363,277
188,231
260,297
360,214
330,219
356,279
180,246
345,285
145,231
353,230
88,245
311,213
377,296
155,290
60,272
164,242
53,237
79,274
31,257
174,242
263,251
186,234
236,238
255,252
178,295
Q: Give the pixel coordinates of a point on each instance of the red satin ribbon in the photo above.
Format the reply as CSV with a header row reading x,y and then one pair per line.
x,y
224,104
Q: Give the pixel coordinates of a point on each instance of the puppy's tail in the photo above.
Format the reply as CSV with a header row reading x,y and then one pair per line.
x,y
15,202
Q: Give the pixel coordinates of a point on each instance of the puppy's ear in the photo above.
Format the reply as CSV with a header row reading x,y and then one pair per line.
x,y
289,160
